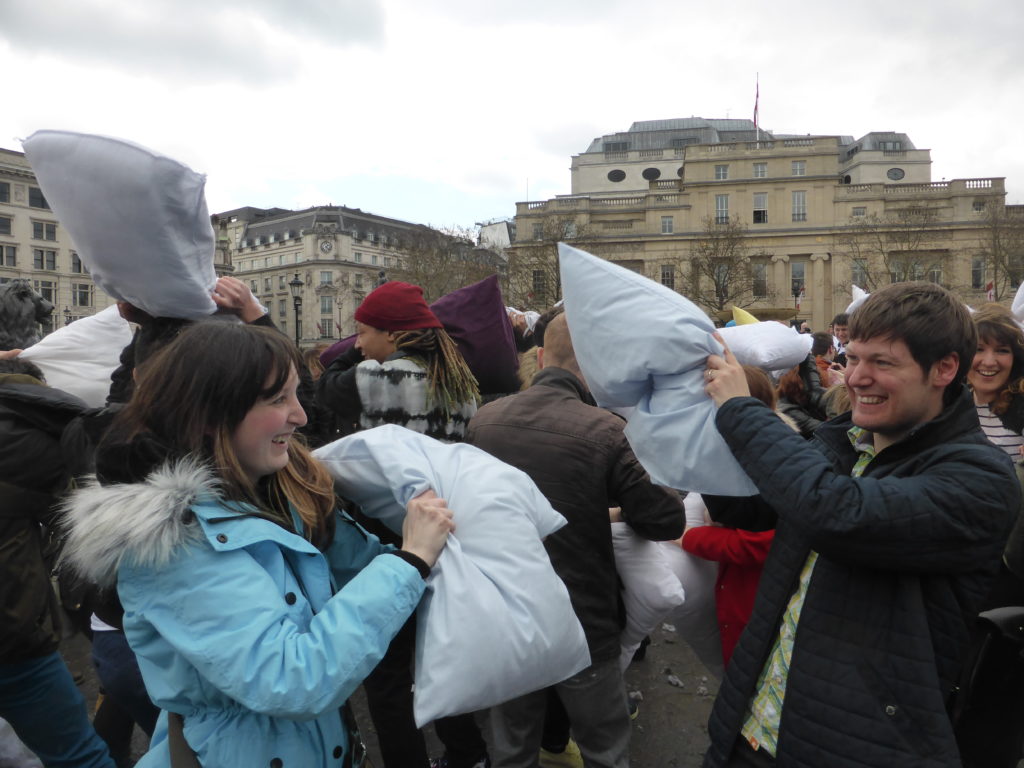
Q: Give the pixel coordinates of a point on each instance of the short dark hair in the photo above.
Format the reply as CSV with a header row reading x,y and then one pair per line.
x,y
820,343
930,320
841,319
542,323
14,365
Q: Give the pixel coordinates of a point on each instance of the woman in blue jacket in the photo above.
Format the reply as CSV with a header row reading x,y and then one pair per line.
x,y
254,607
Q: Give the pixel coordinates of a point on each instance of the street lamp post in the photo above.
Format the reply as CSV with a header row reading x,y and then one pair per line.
x,y
67,315
295,286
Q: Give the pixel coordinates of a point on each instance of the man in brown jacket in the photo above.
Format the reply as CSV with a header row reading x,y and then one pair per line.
x,y
578,456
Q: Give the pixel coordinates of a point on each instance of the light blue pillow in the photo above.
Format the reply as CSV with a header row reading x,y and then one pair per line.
x,y
642,345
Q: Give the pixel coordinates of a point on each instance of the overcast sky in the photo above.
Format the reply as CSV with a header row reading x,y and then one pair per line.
x,y
448,112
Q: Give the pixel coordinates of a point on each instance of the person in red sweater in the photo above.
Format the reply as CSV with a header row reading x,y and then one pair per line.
x,y
740,554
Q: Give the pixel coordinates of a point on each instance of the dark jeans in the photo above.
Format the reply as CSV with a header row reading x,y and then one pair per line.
x,y
389,696
118,671
44,707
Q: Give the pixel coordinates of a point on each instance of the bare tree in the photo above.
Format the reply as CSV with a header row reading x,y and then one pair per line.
x,y
719,272
898,247
533,280
1002,249
442,260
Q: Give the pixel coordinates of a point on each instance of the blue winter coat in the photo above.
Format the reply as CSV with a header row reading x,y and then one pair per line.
x,y
247,630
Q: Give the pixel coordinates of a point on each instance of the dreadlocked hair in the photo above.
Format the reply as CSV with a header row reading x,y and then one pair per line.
x,y
450,383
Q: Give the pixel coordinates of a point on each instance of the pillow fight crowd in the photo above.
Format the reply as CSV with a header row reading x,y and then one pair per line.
x,y
212,529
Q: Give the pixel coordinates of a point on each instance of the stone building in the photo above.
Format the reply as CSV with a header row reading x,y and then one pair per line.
x,y
336,255
808,216
34,246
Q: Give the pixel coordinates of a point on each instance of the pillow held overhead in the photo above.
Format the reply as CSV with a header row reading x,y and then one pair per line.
x,y
138,219
641,344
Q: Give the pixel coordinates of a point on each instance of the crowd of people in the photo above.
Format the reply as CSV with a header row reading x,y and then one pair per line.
x,y
235,600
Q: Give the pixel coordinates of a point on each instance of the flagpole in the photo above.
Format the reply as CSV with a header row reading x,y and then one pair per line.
x,y
757,99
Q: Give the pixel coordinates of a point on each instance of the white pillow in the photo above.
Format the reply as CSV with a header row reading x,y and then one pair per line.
x,y
138,219
768,345
649,587
80,357
496,621
641,344
859,297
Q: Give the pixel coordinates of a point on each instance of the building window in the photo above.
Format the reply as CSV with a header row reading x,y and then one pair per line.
x,y
760,207
760,170
860,210
44,230
979,206
76,264
47,289
666,225
799,206
721,209
8,256
798,273
759,281
266,285
5,225
42,259
358,284
326,277
890,146
540,285
721,172
357,257
326,325
935,274
282,284
668,276
859,272
977,274
282,307
81,294
538,231
36,199
5,192
326,305
799,168
373,258
252,286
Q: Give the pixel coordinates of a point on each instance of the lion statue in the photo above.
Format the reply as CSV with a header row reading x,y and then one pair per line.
x,y
22,309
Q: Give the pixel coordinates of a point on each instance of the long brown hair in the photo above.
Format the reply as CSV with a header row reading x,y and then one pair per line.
x,y
193,394
450,383
997,326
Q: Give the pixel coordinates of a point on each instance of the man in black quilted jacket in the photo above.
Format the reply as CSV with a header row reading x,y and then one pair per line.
x,y
889,526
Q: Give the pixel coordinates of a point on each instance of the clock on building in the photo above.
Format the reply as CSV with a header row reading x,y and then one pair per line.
x,y
895,174
326,246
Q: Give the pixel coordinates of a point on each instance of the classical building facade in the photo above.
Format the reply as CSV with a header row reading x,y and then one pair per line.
x,y
814,214
34,246
337,254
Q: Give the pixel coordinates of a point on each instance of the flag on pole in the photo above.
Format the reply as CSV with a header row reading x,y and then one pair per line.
x,y
990,291
757,99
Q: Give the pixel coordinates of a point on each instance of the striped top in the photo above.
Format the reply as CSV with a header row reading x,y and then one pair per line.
x,y
997,434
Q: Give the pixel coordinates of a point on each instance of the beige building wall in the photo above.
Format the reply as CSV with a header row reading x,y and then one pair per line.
x,y
798,207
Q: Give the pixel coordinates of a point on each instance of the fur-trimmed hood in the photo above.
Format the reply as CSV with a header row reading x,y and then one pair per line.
x,y
144,522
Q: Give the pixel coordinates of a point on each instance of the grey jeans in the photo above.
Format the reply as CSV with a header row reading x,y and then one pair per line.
x,y
596,702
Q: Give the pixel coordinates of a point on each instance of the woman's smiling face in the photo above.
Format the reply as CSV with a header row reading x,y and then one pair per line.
x,y
990,370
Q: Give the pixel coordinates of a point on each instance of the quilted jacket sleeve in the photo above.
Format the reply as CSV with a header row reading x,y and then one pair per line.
x,y
948,515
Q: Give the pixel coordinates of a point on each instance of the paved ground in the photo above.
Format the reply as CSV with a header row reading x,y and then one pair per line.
x,y
670,731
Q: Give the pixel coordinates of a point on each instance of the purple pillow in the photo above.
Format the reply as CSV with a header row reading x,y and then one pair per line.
x,y
475,317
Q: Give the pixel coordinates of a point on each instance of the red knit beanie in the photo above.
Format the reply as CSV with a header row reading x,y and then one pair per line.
x,y
396,306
